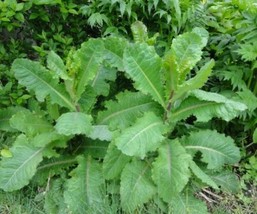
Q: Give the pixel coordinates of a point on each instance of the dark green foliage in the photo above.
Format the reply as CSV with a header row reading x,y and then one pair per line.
x,y
127,106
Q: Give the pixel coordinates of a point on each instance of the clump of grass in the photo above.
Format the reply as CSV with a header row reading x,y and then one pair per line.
x,y
21,202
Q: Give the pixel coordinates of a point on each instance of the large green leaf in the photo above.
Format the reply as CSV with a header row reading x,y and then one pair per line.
x,y
205,106
137,187
171,170
186,203
85,189
20,168
128,107
144,66
72,123
144,136
114,49
114,162
216,149
30,123
89,57
35,77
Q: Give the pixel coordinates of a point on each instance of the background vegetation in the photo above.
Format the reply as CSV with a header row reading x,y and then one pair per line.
x,y
56,36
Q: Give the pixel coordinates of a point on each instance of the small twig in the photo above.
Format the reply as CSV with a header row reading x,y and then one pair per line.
x,y
207,198
212,194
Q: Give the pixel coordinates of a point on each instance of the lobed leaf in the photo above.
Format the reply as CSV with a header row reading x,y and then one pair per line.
x,y
216,149
136,187
17,171
144,66
143,137
171,170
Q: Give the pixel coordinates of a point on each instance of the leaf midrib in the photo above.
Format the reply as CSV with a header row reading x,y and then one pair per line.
x,y
123,111
207,149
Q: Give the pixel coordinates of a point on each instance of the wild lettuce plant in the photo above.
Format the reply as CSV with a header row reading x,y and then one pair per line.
x,y
87,147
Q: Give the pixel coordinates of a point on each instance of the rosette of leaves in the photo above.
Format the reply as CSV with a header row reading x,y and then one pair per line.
x,y
127,149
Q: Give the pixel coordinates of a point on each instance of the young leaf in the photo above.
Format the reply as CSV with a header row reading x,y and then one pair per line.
x,y
187,203
55,64
196,82
30,123
114,49
187,50
85,189
144,66
139,32
21,167
114,162
202,176
205,106
89,56
35,77
144,136
216,149
171,170
128,107
136,187
72,123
